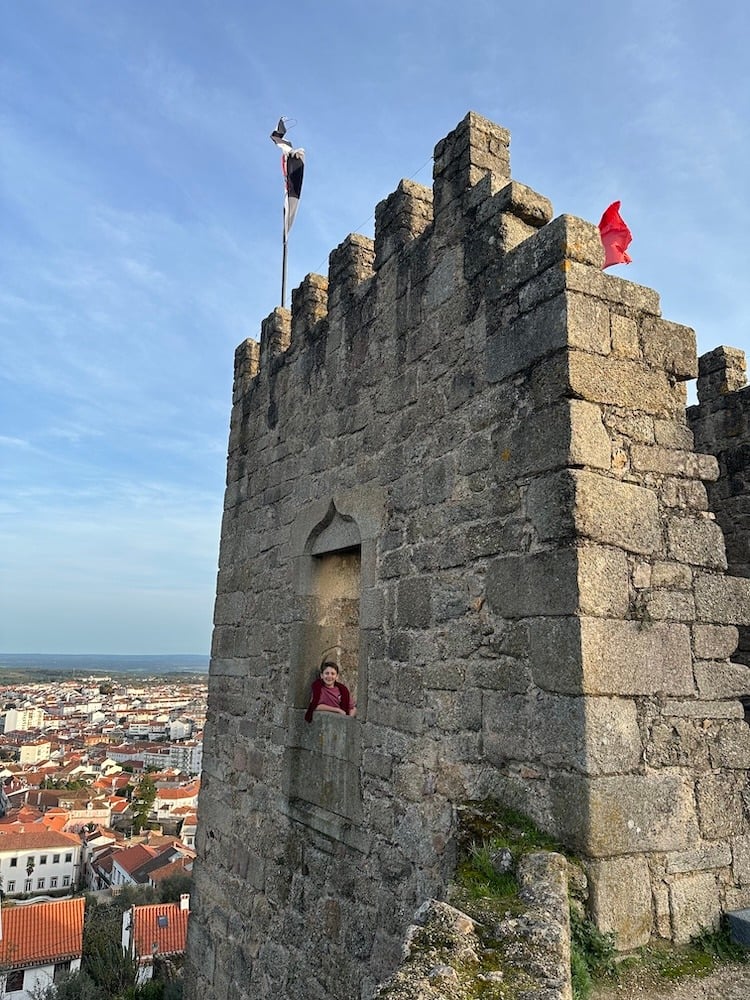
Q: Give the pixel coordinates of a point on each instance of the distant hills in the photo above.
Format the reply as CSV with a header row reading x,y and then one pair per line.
x,y
28,664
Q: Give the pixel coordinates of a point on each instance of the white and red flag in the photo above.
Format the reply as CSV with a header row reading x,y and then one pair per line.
x,y
615,235
293,169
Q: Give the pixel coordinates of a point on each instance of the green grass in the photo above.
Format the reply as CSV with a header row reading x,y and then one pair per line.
x,y
486,828
592,955
479,877
662,962
718,944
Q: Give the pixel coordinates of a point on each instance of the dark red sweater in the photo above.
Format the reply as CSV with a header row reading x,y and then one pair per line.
x,y
317,687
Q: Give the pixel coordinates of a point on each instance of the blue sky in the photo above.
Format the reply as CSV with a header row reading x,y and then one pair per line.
x,y
140,199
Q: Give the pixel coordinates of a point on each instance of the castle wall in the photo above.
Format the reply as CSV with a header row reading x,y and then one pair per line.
x,y
462,464
721,424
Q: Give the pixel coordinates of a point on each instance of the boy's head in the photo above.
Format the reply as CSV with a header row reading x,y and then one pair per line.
x,y
329,672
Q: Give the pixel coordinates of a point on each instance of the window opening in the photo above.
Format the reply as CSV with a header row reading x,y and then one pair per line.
x,y
335,608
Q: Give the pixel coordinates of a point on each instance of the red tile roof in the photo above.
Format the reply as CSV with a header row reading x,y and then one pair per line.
x,y
169,939
23,814
26,838
180,866
185,792
130,859
40,933
55,819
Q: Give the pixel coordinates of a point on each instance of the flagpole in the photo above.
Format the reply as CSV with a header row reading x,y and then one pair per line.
x,y
283,271
292,190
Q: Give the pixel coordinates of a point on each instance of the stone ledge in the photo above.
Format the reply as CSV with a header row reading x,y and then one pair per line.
x,y
442,947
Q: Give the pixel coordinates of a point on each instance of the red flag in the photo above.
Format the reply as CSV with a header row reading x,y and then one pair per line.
x,y
615,235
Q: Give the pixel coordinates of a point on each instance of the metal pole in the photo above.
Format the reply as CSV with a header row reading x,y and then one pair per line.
x,y
283,273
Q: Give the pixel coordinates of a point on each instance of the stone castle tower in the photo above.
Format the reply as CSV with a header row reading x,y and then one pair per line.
x,y
461,467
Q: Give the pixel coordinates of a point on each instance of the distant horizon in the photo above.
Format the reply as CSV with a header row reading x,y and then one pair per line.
x,y
121,656
105,662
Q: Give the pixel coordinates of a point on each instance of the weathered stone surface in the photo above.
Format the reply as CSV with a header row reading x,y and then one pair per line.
x,y
707,855
704,709
528,205
628,658
673,462
732,747
665,574
722,599
670,346
542,583
720,372
695,905
616,513
670,605
684,494
621,382
592,735
718,679
414,608
602,581
443,950
741,858
624,333
629,298
720,805
569,433
714,642
565,241
696,541
672,434
631,814
625,914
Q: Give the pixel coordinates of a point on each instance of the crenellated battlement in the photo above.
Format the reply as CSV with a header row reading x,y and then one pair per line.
x,y
472,200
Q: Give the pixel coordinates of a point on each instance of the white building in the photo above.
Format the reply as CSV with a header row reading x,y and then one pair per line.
x,y
181,729
21,719
170,800
156,929
187,756
34,752
34,860
38,944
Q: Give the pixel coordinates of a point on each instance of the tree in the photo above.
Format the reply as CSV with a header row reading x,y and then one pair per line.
x,y
112,970
142,801
70,986
175,886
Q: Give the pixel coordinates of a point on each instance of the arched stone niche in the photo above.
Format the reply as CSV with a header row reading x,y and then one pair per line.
x,y
333,571
339,610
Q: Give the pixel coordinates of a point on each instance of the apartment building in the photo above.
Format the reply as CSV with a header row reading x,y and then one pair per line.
x,y
35,860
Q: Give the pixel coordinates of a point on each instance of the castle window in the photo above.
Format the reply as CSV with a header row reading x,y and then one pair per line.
x,y
331,585
335,553
336,586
